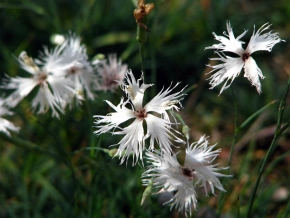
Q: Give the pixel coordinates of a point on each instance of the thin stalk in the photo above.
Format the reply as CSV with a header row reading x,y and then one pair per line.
x,y
278,133
153,71
177,115
90,135
260,175
141,57
254,115
221,196
236,130
141,38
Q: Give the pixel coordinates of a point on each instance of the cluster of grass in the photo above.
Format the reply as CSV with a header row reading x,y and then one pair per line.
x,y
53,168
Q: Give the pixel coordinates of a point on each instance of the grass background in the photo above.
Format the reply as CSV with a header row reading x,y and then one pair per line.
x,y
56,175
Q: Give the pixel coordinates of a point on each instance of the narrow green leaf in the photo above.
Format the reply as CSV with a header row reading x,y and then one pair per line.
x,y
254,115
147,192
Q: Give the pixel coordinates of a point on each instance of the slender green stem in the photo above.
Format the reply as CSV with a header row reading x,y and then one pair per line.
x,y
260,175
141,58
185,128
153,79
278,132
254,115
236,131
90,135
177,115
221,196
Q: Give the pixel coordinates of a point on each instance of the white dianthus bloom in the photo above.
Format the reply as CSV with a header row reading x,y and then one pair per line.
x,y
80,71
158,124
232,66
5,125
61,76
111,72
50,87
169,175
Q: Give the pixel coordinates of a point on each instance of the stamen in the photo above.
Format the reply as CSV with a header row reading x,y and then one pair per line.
x,y
141,114
245,56
41,78
187,172
73,70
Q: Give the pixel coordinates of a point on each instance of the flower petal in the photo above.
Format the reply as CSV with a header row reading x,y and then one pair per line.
x,y
45,100
163,102
159,130
23,87
134,90
112,73
167,174
132,142
227,71
199,157
230,44
253,72
264,42
113,119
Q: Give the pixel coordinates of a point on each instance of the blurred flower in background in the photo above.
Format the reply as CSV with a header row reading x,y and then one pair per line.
x,y
5,125
61,75
51,88
80,72
111,72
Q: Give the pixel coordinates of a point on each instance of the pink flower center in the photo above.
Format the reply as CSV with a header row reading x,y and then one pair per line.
x,y
41,78
245,56
187,172
73,70
110,81
141,114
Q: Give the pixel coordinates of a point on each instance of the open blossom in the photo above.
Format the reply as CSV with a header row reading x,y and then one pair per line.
x,y
60,76
198,170
231,66
5,125
154,113
80,70
111,73
51,88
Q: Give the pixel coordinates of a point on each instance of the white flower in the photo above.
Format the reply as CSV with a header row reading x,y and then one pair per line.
x,y
153,113
199,158
5,125
80,71
61,75
231,66
50,87
110,72
169,175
